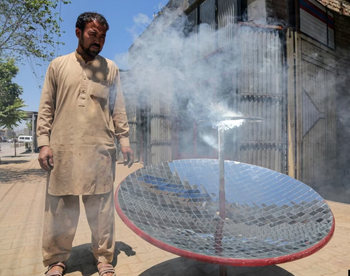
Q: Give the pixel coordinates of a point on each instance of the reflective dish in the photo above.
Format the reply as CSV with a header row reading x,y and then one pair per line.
x,y
270,217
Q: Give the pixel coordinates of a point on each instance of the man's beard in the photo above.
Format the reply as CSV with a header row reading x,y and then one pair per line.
x,y
89,52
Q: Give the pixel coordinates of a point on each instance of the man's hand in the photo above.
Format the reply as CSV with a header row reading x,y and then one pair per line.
x,y
46,158
128,156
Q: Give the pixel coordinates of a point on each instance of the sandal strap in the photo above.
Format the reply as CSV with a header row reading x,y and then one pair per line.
x,y
105,268
56,273
60,264
106,265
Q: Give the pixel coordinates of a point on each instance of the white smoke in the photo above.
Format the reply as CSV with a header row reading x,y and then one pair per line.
x,y
141,21
198,74
122,60
173,65
228,124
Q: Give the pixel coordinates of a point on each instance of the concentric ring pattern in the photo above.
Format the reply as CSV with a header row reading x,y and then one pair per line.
x,y
175,205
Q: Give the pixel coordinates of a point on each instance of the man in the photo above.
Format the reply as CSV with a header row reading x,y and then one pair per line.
x,y
79,118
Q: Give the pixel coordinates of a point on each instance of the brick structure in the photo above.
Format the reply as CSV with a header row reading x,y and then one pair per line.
x,y
340,6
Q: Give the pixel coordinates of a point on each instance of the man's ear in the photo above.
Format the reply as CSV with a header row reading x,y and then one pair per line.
x,y
78,32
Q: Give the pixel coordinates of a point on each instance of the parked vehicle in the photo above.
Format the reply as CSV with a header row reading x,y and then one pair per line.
x,y
25,139
10,140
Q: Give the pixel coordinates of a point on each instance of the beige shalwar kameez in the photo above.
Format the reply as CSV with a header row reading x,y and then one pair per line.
x,y
79,118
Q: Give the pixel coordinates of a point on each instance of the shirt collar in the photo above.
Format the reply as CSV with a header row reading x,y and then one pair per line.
x,y
80,58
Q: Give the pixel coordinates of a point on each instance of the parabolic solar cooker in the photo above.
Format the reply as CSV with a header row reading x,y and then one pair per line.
x,y
224,212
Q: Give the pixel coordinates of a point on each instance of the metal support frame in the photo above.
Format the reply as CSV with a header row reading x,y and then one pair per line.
x,y
222,198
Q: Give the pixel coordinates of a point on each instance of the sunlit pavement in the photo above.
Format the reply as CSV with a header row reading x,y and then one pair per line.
x,y
22,190
7,150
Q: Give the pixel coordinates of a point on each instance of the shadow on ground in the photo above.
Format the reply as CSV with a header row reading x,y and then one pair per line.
x,y
13,173
13,160
82,259
185,267
29,151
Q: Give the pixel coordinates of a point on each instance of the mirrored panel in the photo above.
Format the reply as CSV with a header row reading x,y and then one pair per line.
x,y
268,214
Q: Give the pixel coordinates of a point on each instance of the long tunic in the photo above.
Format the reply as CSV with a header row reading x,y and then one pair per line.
x,y
79,118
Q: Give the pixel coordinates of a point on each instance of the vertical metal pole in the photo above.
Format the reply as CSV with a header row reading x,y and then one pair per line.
x,y
222,198
33,133
195,139
222,206
148,154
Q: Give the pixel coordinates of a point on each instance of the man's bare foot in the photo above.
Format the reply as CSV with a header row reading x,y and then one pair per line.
x,y
105,269
55,269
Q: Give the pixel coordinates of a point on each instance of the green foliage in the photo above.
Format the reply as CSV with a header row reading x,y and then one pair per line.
x,y
12,114
9,91
29,28
11,104
29,124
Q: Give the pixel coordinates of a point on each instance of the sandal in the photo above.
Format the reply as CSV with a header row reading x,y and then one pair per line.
x,y
56,273
105,268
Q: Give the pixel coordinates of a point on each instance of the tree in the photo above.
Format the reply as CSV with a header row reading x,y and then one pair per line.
x,y
9,91
28,28
29,125
11,115
11,104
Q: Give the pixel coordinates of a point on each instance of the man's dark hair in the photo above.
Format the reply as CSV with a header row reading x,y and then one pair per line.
x,y
87,17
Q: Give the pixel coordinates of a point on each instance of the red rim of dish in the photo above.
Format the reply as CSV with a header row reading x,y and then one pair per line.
x,y
220,260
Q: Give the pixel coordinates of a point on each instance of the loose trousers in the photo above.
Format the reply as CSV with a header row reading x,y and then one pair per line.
x,y
61,220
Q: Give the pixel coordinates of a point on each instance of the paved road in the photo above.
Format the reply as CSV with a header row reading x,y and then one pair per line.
x,y
6,150
22,198
4,145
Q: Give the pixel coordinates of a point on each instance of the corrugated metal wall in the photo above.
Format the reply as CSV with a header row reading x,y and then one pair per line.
x,y
192,29
226,19
262,94
312,111
132,108
318,124
206,39
160,127
255,88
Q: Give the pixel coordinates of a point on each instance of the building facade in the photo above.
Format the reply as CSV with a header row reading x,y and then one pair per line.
x,y
286,62
7,133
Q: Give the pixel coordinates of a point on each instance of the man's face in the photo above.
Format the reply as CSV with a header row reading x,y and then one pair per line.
x,y
91,41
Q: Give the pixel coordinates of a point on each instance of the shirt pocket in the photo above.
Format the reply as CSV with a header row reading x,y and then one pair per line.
x,y
100,92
